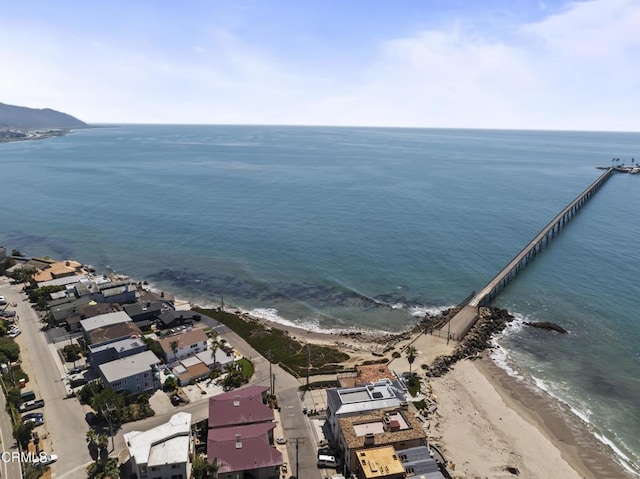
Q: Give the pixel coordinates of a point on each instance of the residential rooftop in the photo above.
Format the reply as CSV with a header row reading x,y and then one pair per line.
x,y
120,345
387,427
114,331
129,366
379,462
167,443
189,337
102,320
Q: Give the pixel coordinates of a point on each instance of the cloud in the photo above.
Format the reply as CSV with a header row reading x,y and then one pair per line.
x,y
576,68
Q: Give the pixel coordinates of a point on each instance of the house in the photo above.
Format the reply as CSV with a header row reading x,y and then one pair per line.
x,y
190,370
245,451
58,269
164,451
134,374
143,311
219,360
171,318
102,320
242,406
183,345
419,463
114,349
114,332
344,402
379,463
396,428
365,374
152,296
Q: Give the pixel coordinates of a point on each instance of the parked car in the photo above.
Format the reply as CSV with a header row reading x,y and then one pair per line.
x,y
32,414
45,459
281,440
3,300
76,370
175,399
30,405
91,418
14,332
37,421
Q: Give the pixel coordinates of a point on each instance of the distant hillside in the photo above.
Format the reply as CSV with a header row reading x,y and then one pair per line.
x,y
23,118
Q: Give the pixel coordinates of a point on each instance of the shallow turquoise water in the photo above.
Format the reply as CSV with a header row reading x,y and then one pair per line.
x,y
336,227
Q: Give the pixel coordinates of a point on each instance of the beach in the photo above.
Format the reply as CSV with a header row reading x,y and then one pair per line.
x,y
487,421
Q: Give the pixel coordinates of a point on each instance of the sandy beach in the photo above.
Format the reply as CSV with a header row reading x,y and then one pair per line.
x,y
488,421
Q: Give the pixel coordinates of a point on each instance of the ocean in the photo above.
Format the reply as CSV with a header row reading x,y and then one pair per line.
x,y
337,228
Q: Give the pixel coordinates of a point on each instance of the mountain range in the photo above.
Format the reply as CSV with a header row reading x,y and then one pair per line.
x,y
23,118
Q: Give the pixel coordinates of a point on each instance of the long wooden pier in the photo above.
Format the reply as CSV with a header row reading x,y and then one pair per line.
x,y
463,321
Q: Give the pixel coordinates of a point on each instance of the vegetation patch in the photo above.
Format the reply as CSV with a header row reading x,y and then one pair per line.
x,y
277,346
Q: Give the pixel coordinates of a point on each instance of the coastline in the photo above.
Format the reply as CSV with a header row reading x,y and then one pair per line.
x,y
487,420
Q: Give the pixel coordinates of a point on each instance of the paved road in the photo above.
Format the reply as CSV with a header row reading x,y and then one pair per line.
x,y
8,469
295,423
64,418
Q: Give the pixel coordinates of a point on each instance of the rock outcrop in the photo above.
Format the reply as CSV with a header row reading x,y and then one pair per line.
x,y
491,321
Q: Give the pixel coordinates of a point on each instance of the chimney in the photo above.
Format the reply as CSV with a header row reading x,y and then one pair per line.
x,y
368,439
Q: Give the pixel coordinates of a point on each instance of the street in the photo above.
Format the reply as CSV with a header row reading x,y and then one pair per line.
x,y
65,423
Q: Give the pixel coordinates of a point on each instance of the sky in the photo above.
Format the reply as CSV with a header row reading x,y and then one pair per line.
x,y
516,64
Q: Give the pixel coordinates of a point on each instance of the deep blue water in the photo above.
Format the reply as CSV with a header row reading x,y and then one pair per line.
x,y
338,227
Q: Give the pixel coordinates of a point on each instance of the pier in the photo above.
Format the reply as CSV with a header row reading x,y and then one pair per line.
x,y
464,320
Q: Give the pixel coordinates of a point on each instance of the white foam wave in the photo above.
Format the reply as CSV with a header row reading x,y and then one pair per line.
x,y
500,357
420,311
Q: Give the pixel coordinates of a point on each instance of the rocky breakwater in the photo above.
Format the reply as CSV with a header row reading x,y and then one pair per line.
x,y
491,321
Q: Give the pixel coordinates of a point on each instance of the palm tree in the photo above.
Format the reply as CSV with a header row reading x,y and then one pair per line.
x,y
214,349
174,348
411,352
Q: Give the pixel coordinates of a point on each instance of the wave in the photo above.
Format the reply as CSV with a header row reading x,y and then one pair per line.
x,y
503,359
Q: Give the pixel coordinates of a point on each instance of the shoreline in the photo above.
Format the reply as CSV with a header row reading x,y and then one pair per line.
x,y
590,457
542,422
558,431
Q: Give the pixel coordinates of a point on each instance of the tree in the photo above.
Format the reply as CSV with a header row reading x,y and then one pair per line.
x,y
214,349
22,433
9,348
411,352
109,405
170,384
174,348
202,469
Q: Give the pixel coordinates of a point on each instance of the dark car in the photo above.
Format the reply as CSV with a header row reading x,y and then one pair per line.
x,y
91,417
175,399
33,415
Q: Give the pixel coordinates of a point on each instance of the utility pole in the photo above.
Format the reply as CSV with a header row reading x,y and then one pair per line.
x,y
308,364
298,441
268,355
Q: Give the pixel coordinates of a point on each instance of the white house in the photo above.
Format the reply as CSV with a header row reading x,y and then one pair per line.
x,y
164,451
180,346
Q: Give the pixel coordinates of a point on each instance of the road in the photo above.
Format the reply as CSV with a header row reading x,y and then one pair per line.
x,y
65,418
65,427
8,468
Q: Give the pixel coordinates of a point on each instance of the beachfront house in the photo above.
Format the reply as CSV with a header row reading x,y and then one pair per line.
x,y
179,346
419,463
163,452
345,402
397,428
134,374
58,269
379,463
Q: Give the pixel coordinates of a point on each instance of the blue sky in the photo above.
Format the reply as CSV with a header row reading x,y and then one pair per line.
x,y
430,63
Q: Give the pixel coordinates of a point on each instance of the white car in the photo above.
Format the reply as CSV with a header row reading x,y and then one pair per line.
x,y
3,300
45,459
13,332
281,440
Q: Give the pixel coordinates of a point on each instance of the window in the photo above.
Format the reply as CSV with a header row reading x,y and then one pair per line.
x,y
146,375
